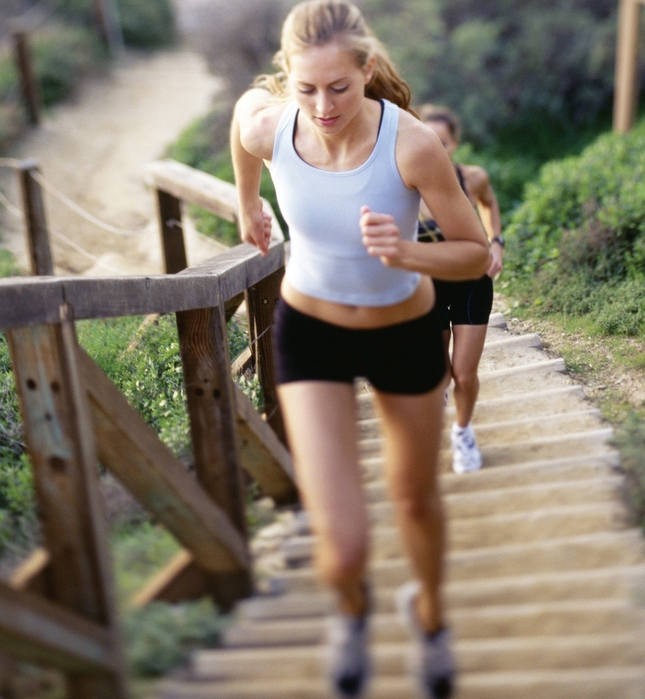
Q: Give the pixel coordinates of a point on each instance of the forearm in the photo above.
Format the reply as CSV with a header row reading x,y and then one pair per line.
x,y
452,260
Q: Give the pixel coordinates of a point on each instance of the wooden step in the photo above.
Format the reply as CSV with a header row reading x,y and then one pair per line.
x,y
495,530
599,583
545,618
472,655
586,552
587,683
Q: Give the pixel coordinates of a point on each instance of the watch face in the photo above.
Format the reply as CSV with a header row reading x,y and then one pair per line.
x,y
500,240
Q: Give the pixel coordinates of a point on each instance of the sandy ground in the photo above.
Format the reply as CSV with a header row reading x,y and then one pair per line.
x,y
95,150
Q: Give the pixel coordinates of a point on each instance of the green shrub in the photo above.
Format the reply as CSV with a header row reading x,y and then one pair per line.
x,y
8,266
630,439
63,55
160,636
577,243
147,23
144,23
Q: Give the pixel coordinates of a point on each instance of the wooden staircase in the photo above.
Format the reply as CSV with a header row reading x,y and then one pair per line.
x,y
546,577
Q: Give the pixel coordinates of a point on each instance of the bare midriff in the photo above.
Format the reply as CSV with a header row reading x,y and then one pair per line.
x,y
363,317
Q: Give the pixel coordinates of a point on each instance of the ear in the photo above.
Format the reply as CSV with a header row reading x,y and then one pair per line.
x,y
368,70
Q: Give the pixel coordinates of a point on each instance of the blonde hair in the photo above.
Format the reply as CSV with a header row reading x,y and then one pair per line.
x,y
320,22
433,112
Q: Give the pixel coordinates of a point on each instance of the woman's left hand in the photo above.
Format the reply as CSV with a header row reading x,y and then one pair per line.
x,y
381,236
496,257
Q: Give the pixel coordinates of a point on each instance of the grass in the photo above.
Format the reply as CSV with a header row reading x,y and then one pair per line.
x,y
612,369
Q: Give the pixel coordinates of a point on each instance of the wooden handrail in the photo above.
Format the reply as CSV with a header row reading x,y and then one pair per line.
x,y
37,300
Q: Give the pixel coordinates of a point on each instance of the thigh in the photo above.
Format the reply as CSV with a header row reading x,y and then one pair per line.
x,y
467,347
320,418
412,426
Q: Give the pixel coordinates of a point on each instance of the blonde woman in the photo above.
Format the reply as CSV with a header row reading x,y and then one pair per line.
x,y
350,165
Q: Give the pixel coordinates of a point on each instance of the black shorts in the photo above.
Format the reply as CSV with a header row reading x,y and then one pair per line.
x,y
405,358
464,303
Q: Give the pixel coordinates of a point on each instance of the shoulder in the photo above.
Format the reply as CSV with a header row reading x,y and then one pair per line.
x,y
258,113
419,152
476,177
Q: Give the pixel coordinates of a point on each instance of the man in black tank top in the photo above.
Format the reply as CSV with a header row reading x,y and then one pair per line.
x,y
464,307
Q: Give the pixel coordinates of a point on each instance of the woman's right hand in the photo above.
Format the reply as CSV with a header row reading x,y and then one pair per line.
x,y
255,228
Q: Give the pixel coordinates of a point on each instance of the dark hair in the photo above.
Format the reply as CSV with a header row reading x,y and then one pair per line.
x,y
433,112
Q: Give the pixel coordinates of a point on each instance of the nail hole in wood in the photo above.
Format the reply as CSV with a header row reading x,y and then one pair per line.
x,y
57,464
199,391
31,384
217,393
55,386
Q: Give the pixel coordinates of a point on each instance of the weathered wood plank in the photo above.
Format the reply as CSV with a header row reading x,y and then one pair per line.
x,y
36,300
37,631
264,456
182,579
60,441
172,232
626,71
131,450
33,206
33,573
262,299
211,404
200,188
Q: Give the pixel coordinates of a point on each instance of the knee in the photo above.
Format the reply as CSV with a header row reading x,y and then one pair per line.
x,y
343,561
465,380
418,507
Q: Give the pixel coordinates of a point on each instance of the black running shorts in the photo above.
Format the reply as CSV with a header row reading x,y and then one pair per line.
x,y
405,358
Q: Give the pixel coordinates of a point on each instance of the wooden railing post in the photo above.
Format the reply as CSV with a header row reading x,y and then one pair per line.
x,y
212,409
29,87
626,79
261,300
172,232
60,441
33,207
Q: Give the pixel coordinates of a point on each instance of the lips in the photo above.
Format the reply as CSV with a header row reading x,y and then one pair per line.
x,y
327,122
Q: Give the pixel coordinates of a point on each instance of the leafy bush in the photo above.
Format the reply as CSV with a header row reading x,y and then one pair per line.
x,y
147,23
144,23
159,636
577,243
630,439
63,55
518,61
8,267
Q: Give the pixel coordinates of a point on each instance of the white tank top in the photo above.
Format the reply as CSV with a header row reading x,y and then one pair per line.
x,y
322,209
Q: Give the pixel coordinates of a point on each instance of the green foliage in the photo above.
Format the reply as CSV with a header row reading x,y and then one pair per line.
x,y
577,243
204,146
521,62
144,23
147,24
160,636
630,439
62,56
8,267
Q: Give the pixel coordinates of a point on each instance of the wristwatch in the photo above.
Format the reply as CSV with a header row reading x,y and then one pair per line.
x,y
499,239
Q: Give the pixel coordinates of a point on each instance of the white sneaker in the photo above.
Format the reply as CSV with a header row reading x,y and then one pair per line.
x,y
432,661
466,455
348,661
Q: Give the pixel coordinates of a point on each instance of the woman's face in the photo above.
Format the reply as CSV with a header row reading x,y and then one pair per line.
x,y
443,131
328,85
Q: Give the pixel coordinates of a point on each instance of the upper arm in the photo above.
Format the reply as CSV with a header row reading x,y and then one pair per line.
x,y
425,166
257,115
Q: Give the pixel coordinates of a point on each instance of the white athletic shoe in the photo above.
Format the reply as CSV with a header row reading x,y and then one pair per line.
x,y
348,661
466,455
431,661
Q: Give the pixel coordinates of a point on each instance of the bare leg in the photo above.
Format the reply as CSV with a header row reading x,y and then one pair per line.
x,y
467,346
412,427
320,419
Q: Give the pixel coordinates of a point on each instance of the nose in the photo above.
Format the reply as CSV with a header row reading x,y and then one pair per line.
x,y
324,104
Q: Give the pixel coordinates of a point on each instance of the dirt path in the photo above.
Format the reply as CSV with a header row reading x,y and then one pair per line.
x,y
95,150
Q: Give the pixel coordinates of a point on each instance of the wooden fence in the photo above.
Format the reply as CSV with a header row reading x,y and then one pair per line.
x,y
59,608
